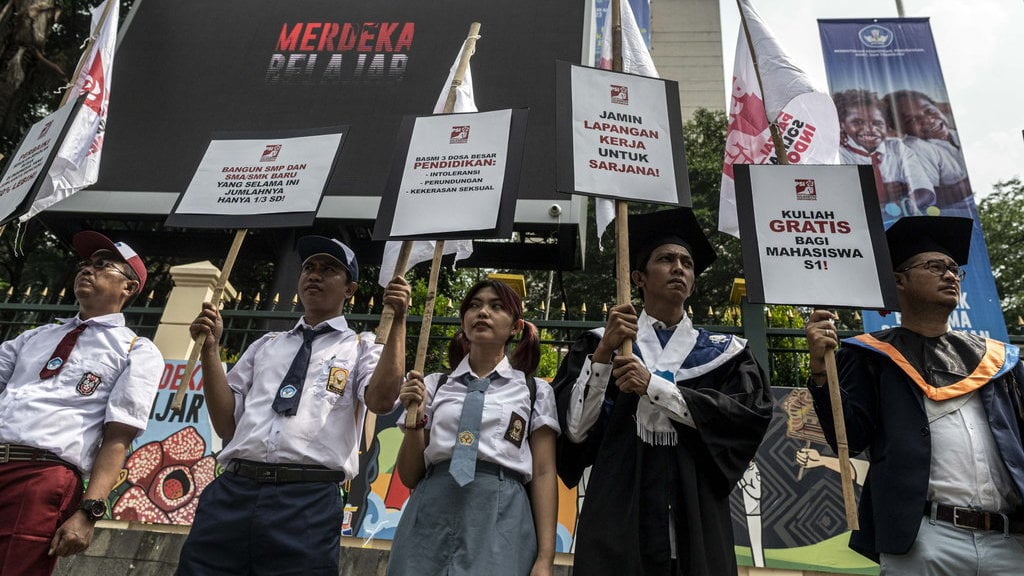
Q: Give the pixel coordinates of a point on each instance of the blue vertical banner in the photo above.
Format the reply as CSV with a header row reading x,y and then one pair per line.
x,y
641,11
894,113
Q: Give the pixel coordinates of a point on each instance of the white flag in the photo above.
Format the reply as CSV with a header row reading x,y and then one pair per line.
x,y
77,164
423,250
636,59
806,116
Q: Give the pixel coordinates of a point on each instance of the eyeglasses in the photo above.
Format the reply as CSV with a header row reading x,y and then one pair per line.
x,y
939,268
101,264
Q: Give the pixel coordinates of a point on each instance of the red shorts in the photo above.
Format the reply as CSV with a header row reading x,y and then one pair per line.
x,y
35,499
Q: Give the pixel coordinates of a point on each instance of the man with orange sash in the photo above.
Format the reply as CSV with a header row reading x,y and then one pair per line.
x,y
939,412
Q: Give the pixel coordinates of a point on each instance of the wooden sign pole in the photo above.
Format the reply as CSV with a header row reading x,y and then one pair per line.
x,y
387,315
218,294
845,467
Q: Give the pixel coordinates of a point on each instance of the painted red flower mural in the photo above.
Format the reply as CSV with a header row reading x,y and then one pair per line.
x,y
165,479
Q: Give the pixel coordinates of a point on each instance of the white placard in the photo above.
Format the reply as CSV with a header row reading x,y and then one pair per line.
x,y
622,138
32,159
815,242
454,174
248,177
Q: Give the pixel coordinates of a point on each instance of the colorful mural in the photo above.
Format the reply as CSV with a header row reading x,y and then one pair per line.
x,y
787,510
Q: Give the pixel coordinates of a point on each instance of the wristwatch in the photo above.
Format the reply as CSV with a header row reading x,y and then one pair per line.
x,y
94,509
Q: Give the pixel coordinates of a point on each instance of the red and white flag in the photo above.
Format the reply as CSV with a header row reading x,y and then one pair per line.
x,y
636,59
77,164
423,250
806,116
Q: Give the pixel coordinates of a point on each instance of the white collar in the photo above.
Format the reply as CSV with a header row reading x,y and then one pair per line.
x,y
114,320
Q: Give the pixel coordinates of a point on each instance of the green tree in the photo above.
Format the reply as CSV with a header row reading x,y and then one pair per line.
x,y
1002,219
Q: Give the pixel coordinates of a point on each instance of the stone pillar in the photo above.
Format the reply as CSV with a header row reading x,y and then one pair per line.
x,y
193,285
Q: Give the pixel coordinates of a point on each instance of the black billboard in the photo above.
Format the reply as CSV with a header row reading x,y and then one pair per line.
x,y
187,68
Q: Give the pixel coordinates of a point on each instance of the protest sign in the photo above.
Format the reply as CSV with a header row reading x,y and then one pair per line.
x,y
813,235
619,136
260,180
454,176
25,175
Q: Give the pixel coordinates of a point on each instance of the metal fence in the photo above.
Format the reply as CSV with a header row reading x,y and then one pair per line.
x,y
785,348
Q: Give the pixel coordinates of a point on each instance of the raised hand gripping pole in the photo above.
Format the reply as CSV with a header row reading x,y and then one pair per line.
x,y
412,415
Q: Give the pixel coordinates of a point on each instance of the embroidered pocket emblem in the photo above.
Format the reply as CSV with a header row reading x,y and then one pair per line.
x,y
337,379
88,384
516,430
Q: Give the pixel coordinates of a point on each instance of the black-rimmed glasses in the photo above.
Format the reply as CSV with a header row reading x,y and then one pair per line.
x,y
101,264
939,268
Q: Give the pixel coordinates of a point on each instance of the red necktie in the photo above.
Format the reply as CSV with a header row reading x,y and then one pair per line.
x,y
876,165
61,353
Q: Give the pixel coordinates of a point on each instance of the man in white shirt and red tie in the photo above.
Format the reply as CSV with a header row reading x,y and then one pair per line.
x,y
73,396
291,413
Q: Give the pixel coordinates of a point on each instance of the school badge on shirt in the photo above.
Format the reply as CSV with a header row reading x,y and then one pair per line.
x,y
516,430
337,379
88,384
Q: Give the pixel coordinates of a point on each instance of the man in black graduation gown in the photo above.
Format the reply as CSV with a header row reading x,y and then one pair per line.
x,y
669,430
939,411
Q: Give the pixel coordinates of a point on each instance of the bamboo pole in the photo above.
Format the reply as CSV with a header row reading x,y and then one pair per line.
x,y
387,315
218,293
88,46
413,413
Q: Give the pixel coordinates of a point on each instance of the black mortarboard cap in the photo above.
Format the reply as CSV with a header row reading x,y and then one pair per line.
x,y
912,235
675,226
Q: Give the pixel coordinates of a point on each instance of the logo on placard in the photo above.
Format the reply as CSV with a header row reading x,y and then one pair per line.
x,y
460,135
619,94
46,128
805,189
875,36
271,152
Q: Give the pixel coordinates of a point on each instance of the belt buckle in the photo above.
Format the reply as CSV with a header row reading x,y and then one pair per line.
x,y
957,510
5,453
266,474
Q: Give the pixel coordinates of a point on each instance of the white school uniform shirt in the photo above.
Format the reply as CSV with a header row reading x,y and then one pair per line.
x,y
111,375
506,402
326,428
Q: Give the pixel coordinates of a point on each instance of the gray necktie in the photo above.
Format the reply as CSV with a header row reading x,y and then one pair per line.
x,y
463,464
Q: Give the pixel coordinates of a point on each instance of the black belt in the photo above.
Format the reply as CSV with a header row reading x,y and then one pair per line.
x,y
282,473
482,467
19,453
971,519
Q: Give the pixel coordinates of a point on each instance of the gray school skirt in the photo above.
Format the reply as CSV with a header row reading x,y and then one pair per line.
x,y
485,527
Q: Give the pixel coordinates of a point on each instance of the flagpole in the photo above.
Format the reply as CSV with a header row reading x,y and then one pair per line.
x,y
88,47
387,315
773,128
622,292
218,294
412,413
81,63
842,446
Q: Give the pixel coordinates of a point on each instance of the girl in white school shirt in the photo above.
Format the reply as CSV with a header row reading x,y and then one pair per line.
x,y
490,525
